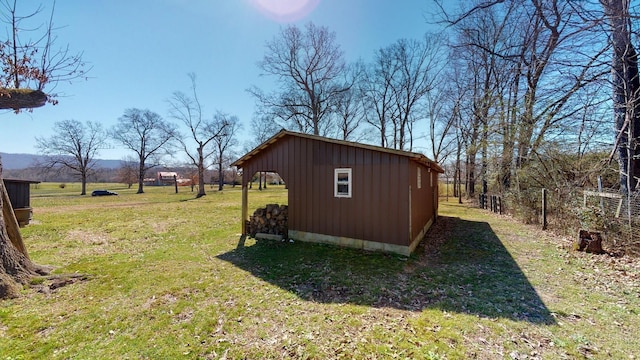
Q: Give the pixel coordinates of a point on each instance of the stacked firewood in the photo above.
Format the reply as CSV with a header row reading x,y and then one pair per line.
x,y
271,219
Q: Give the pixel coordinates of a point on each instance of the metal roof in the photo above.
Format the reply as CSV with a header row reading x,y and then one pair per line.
x,y
282,133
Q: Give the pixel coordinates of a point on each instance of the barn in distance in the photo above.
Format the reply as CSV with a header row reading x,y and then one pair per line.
x,y
347,193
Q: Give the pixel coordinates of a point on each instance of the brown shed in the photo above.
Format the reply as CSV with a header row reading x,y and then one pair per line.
x,y
19,198
348,193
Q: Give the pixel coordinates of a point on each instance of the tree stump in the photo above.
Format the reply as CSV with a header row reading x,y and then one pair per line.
x,y
590,242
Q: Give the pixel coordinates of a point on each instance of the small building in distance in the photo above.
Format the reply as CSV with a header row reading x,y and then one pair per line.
x,y
163,178
347,193
19,192
166,178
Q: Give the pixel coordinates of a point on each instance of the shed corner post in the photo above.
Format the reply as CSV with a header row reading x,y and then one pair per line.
x,y
245,206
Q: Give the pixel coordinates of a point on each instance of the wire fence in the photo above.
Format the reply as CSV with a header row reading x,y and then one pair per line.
x,y
615,214
567,211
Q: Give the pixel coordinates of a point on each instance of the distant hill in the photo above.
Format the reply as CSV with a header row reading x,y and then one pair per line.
x,y
22,161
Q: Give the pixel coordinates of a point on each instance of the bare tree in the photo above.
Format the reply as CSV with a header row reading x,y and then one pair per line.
x,y
128,171
626,92
201,132
443,112
74,146
226,127
307,65
146,134
32,67
525,63
349,114
262,127
15,266
395,85
349,111
376,88
418,65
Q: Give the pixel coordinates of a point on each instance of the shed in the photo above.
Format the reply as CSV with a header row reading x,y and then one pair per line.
x,y
347,193
20,198
164,178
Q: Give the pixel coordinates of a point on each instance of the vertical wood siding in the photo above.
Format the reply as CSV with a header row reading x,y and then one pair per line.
x,y
421,199
379,207
18,193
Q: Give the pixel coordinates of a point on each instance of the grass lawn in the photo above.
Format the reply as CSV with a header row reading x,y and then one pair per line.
x,y
162,276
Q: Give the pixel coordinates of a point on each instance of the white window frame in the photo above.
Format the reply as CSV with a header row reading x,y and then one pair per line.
x,y
337,182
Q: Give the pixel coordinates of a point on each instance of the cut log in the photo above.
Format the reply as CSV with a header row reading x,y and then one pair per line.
x,y
17,99
272,219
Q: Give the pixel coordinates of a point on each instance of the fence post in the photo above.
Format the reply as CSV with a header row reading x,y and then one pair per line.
x,y
544,209
500,204
600,190
175,182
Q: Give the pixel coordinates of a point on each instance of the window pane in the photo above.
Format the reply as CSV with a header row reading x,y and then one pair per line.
x,y
342,182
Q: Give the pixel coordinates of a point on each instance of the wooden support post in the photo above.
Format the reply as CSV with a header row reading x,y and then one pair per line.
x,y
13,228
447,192
544,209
175,182
245,207
601,198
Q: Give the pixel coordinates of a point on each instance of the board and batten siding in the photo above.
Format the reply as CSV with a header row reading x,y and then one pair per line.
x,y
378,209
19,192
386,206
423,199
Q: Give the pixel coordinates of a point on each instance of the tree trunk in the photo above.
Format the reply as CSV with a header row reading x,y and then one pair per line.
x,y
471,174
141,178
484,154
201,190
15,268
84,184
626,86
220,177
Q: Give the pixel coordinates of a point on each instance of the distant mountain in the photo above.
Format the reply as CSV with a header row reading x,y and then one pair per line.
x,y
17,161
22,161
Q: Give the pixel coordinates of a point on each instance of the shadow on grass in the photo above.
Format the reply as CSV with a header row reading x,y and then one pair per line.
x,y
461,266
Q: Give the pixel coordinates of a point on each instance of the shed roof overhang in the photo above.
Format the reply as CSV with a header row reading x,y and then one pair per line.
x,y
21,181
420,158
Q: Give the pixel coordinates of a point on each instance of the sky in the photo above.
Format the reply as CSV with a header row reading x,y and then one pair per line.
x,y
141,52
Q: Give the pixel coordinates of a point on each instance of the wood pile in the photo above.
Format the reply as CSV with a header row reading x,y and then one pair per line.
x,y
271,219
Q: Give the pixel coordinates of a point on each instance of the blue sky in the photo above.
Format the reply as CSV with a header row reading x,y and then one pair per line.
x,y
142,50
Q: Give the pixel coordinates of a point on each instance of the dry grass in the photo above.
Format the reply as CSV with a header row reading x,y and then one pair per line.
x,y
167,279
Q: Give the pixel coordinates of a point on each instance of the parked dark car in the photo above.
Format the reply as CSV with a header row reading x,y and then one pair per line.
x,y
103,193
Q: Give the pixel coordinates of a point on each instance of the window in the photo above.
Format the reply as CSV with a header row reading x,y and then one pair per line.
x,y
419,178
342,183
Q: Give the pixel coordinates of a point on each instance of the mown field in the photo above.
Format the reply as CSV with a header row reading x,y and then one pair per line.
x,y
163,276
